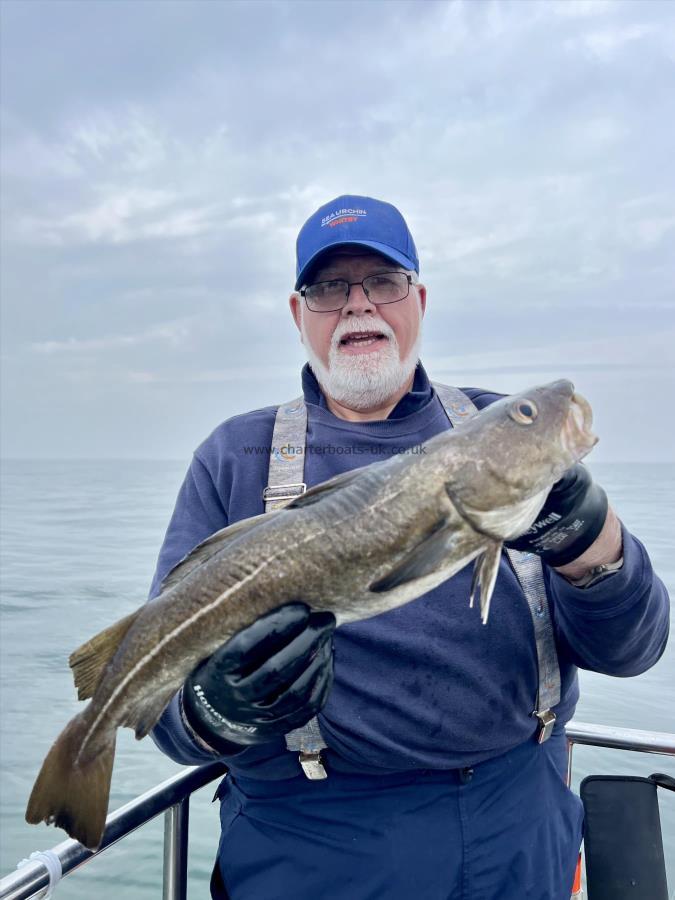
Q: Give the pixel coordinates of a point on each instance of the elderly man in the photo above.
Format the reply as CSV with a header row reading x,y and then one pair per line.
x,y
399,756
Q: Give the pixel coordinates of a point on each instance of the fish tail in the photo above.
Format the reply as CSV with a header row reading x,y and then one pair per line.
x,y
72,793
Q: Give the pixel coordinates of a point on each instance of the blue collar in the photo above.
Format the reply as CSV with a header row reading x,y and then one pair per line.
x,y
416,398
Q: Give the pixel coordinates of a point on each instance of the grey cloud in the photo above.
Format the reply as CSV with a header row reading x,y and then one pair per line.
x,y
159,157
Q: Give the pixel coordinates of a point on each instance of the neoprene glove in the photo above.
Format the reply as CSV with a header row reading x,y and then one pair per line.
x,y
569,521
268,679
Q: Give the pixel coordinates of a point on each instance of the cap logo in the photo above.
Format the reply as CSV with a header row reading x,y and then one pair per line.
x,y
340,216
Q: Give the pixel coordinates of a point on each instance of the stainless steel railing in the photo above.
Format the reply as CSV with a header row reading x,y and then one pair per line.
x,y
614,738
172,798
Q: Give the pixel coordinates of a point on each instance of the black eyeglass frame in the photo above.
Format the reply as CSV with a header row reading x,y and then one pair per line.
x,y
350,285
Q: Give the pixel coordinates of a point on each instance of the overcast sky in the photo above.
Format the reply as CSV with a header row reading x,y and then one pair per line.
x,y
158,159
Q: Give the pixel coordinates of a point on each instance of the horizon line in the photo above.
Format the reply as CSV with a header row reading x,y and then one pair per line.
x,y
182,459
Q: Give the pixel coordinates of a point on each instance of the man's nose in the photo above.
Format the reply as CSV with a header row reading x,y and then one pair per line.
x,y
358,302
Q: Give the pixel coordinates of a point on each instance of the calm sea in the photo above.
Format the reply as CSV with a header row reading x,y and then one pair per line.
x,y
79,542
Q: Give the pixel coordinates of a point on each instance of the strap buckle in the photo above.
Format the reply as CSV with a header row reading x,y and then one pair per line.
x,y
546,724
284,491
312,765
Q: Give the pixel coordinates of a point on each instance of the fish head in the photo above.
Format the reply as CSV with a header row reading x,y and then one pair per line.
x,y
514,451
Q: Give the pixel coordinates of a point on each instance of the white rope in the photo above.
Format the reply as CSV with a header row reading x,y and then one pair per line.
x,y
52,864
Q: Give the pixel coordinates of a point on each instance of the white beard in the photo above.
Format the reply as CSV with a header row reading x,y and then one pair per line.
x,y
368,380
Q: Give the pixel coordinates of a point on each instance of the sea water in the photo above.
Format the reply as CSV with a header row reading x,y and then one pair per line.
x,y
79,542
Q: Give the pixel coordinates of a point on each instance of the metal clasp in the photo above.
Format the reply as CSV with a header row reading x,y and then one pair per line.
x,y
312,765
546,724
284,491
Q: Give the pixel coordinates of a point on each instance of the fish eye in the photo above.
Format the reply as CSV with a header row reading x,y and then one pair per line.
x,y
524,412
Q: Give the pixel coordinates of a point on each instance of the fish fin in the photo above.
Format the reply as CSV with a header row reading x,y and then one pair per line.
x,y
209,548
89,660
485,571
322,490
144,715
71,796
425,559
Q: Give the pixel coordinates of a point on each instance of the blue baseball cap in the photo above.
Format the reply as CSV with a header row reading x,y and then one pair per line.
x,y
350,221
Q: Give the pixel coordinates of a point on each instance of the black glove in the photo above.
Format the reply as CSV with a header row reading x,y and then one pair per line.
x,y
268,679
569,521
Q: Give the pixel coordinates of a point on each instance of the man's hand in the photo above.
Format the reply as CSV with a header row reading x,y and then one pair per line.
x,y
569,521
268,679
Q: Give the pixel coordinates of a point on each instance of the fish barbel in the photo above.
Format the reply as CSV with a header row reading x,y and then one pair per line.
x,y
358,545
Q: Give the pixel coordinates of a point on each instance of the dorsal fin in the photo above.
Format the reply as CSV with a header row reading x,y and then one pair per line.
x,y
324,489
209,547
89,660
217,541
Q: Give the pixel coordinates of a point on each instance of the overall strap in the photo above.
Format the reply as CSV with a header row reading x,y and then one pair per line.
x,y
528,568
285,477
285,482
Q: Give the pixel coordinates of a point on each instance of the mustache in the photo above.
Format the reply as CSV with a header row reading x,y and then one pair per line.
x,y
356,326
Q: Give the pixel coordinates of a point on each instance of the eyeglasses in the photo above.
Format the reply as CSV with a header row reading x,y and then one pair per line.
x,y
329,296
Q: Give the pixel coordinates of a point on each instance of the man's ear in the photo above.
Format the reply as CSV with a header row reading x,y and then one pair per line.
x,y
422,293
295,303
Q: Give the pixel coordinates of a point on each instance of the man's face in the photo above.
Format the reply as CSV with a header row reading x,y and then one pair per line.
x,y
362,351
400,320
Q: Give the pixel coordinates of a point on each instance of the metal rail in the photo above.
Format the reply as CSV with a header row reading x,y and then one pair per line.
x,y
621,738
176,823
616,739
172,797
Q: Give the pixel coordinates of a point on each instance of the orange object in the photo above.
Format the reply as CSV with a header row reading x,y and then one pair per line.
x,y
576,887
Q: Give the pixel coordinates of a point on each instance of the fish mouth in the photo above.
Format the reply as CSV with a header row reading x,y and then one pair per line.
x,y
577,437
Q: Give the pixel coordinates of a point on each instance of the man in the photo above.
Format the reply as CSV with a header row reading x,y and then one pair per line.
x,y
437,784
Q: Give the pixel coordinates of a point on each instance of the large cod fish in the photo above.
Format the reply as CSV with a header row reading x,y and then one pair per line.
x,y
360,544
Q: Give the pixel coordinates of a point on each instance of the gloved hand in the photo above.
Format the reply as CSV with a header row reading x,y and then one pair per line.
x,y
569,521
268,679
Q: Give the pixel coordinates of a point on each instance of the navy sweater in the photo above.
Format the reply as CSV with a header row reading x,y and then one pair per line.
x,y
425,685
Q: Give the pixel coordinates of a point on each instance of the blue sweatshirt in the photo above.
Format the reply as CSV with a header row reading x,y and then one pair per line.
x,y
424,686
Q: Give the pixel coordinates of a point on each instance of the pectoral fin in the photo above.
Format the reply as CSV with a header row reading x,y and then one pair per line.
x,y
426,558
485,571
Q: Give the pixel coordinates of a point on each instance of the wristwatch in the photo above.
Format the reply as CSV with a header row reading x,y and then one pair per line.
x,y
596,574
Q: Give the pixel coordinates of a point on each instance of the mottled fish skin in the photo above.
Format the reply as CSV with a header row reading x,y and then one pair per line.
x,y
358,545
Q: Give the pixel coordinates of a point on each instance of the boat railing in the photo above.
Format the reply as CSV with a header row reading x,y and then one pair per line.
x,y
172,797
